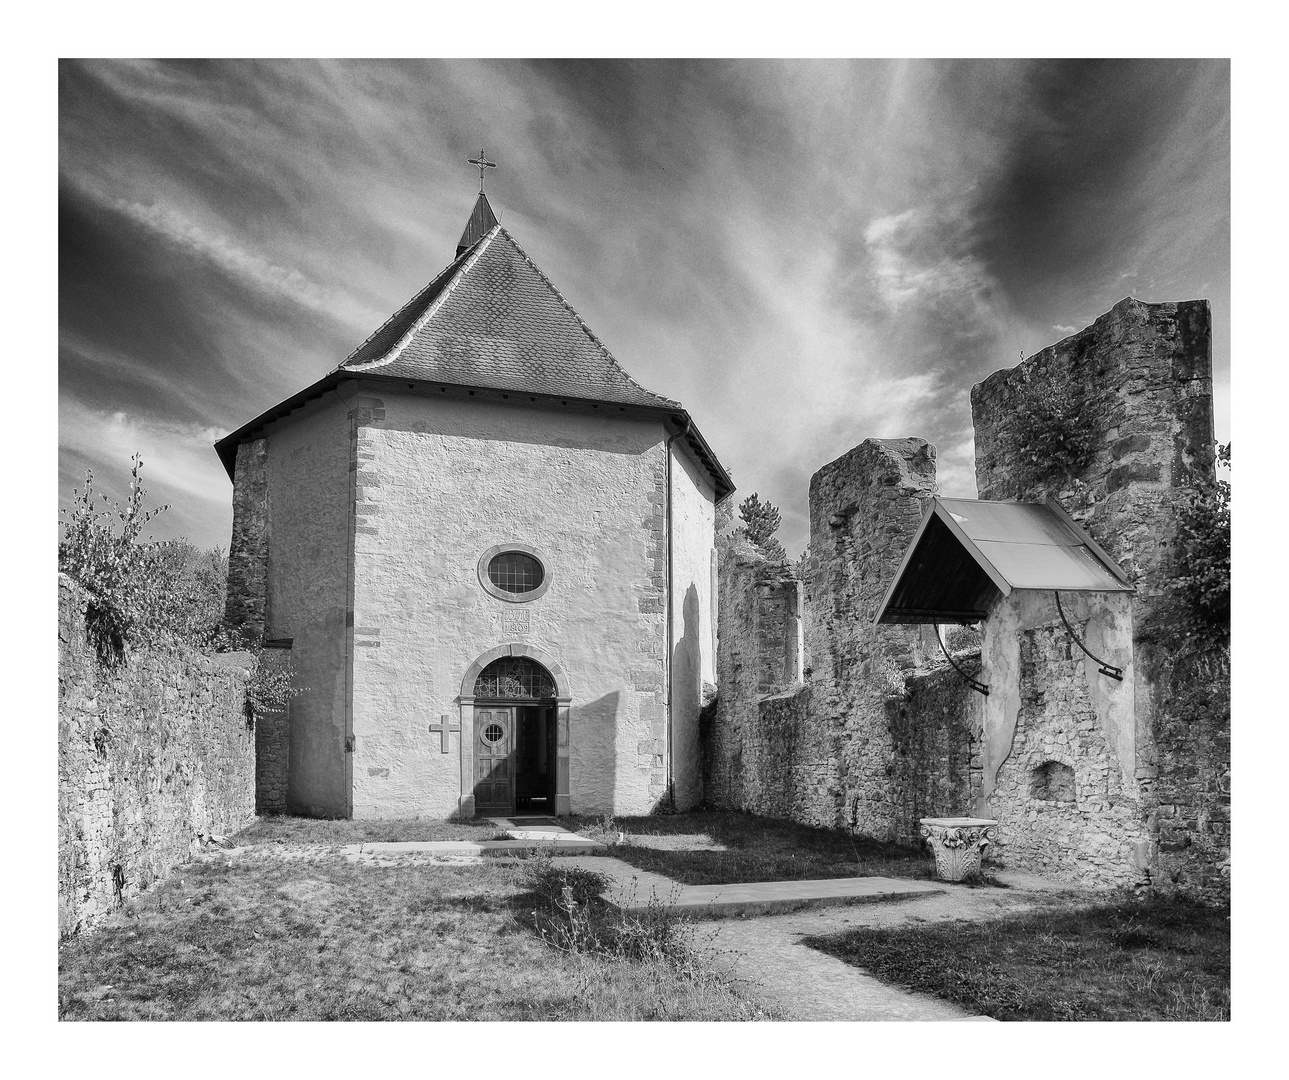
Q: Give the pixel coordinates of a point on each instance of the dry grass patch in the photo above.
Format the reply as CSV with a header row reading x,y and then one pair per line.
x,y
1160,958
297,831
327,939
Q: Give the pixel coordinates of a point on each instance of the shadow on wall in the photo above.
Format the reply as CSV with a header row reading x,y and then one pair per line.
x,y
686,701
593,757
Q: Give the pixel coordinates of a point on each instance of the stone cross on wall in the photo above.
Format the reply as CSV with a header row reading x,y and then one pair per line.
x,y
443,727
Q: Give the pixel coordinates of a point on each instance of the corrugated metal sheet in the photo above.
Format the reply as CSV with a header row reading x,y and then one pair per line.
x,y
967,553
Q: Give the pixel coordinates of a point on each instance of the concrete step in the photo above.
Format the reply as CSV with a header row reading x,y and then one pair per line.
x,y
567,844
772,897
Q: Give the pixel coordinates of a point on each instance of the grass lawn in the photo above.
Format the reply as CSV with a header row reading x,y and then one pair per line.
x,y
327,939
707,847
1132,959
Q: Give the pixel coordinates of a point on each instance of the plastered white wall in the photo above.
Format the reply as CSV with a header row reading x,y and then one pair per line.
x,y
692,655
309,500
441,481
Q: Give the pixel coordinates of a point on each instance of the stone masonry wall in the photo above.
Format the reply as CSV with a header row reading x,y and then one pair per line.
x,y
1144,374
152,757
936,748
246,607
864,510
761,753
1060,795
823,752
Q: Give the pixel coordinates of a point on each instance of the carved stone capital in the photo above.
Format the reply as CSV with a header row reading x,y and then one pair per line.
x,y
957,844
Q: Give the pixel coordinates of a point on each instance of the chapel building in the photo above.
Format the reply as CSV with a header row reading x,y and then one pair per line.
x,y
488,556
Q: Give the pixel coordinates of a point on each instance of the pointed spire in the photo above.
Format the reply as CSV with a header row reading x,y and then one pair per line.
x,y
481,222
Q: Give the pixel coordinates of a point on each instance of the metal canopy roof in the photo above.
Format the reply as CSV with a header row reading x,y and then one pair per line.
x,y
967,553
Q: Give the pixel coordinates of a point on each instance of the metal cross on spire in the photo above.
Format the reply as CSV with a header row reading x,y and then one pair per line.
x,y
483,163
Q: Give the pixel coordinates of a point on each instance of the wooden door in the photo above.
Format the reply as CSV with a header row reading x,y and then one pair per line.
x,y
494,761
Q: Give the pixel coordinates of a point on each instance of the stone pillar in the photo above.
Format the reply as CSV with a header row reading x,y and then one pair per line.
x,y
563,798
465,806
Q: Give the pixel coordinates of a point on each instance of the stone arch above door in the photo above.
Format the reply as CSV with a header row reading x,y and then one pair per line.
x,y
563,692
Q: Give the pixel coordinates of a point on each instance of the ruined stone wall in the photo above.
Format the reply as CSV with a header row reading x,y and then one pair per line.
x,y
152,757
823,752
864,510
761,753
1139,381
246,605
1067,810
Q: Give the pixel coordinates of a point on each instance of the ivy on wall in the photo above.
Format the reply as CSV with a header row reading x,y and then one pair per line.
x,y
1048,436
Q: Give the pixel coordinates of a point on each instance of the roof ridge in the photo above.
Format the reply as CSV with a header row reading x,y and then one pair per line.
x,y
463,263
580,321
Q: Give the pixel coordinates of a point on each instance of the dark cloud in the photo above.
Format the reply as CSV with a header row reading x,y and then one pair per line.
x,y
1074,200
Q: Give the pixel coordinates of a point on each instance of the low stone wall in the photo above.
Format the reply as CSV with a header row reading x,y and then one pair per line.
x,y
152,756
936,749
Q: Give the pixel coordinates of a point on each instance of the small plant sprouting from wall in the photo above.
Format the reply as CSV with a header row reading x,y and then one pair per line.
x,y
269,689
1049,438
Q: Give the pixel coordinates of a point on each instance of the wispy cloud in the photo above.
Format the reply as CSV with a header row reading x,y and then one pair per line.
x,y
252,269
806,253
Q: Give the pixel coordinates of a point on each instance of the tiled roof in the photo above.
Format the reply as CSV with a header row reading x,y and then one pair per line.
x,y
493,319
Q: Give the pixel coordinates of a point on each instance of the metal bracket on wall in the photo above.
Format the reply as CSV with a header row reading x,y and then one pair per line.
x,y
1104,667
976,685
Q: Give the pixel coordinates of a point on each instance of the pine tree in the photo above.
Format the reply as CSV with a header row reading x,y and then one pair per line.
x,y
762,520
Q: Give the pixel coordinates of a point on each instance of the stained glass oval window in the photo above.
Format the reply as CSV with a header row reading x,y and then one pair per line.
x,y
515,572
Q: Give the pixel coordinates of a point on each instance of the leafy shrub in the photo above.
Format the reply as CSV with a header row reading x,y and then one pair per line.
x,y
102,551
149,592
1203,555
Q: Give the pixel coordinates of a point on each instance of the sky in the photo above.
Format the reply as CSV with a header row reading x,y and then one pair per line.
x,y
804,253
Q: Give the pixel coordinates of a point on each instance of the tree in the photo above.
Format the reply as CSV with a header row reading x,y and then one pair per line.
x,y
762,520
141,591
101,550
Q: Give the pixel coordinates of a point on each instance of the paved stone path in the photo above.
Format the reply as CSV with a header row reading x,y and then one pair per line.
x,y
765,952
525,834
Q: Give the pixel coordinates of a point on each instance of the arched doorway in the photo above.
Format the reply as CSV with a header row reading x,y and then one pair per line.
x,y
516,708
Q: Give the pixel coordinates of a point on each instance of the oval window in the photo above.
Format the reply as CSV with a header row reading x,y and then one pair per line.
x,y
515,572
493,734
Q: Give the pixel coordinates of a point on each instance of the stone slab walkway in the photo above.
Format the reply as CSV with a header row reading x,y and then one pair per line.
x,y
524,835
765,952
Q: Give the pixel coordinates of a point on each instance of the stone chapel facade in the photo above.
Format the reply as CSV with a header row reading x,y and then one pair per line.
x,y
489,556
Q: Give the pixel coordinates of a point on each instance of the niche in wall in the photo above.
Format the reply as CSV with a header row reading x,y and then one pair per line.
x,y
1052,781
